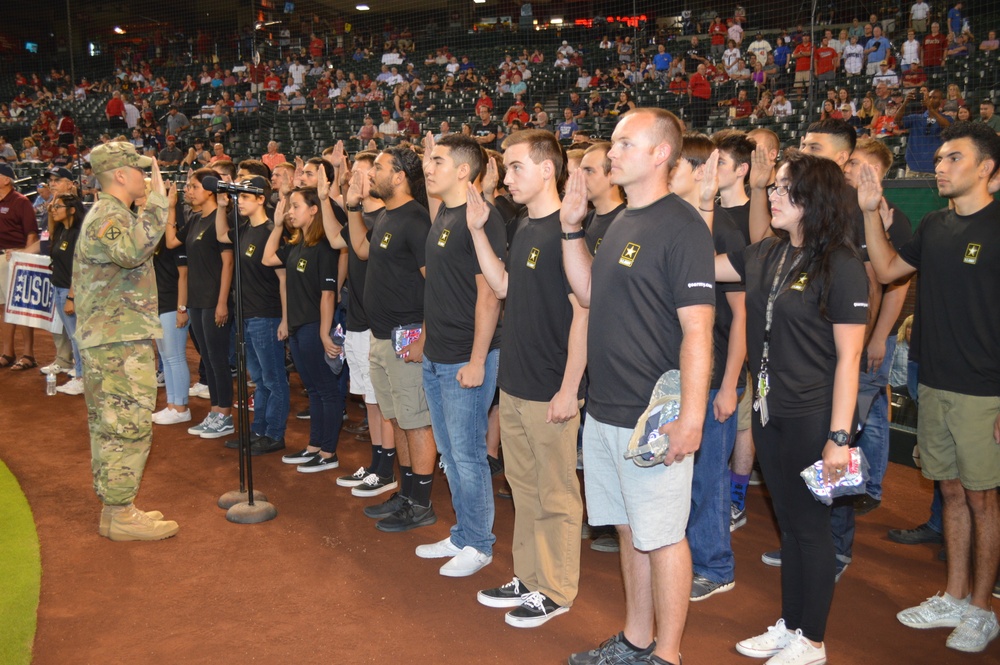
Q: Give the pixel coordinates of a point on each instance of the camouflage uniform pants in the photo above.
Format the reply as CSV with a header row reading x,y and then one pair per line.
x,y
119,382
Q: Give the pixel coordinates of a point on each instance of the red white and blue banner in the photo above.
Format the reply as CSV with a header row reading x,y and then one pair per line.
x,y
30,296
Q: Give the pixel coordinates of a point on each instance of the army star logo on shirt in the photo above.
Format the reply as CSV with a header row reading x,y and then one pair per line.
x,y
628,255
385,241
533,257
972,253
443,239
301,265
250,250
63,246
800,283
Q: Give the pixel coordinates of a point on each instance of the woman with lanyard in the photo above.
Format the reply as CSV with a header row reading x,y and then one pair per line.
x,y
311,288
807,305
170,266
210,274
66,214
262,289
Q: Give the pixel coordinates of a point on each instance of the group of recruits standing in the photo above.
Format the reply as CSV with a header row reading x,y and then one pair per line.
x,y
789,277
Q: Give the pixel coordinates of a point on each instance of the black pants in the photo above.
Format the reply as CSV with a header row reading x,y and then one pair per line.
x,y
213,343
808,561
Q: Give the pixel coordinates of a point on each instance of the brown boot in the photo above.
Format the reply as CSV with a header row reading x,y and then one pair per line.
x,y
127,523
104,528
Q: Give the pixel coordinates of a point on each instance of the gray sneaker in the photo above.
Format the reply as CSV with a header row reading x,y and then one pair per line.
x,y
218,428
199,428
614,651
977,629
702,588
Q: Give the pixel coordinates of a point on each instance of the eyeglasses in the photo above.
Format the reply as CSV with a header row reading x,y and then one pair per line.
x,y
777,189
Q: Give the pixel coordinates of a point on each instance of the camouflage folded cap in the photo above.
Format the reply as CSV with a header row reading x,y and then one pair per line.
x,y
115,155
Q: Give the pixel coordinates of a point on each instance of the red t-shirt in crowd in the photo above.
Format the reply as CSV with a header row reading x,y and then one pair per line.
x,y
17,220
934,50
825,59
743,109
272,88
700,87
718,32
115,108
803,64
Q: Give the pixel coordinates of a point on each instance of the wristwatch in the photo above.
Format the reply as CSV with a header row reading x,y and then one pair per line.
x,y
840,437
351,208
182,309
575,235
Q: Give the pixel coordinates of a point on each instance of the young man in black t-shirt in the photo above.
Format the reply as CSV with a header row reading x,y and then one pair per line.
x,y
606,198
394,299
542,359
461,352
708,525
654,275
357,341
956,331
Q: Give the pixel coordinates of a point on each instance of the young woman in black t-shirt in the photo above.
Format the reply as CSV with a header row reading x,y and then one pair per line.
x,y
807,306
210,274
66,213
311,291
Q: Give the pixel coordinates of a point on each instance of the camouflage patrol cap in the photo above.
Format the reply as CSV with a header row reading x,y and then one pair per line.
x,y
115,155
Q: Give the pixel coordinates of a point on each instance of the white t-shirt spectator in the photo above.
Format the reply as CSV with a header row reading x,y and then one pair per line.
x,y
888,77
919,10
911,51
854,55
730,56
760,48
298,72
781,110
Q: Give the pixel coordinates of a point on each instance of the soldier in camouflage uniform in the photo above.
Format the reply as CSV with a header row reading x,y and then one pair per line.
x,y
116,324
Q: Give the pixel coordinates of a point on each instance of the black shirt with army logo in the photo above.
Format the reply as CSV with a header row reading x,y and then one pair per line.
x,y
204,261
727,237
309,271
259,285
652,262
394,288
803,355
61,247
357,275
597,225
957,327
165,265
451,293
537,313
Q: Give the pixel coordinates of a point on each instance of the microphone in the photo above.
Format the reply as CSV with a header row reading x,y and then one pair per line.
x,y
215,185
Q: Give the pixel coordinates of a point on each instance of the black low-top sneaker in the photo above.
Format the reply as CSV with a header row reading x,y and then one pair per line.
x,y
233,444
265,445
409,516
535,609
386,508
511,594
300,457
319,463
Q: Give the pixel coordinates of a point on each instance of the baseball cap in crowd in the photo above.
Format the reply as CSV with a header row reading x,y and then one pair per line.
x,y
115,155
61,172
6,170
171,138
386,113
780,93
538,105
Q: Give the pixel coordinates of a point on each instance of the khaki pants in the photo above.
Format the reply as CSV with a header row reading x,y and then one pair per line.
x,y
540,464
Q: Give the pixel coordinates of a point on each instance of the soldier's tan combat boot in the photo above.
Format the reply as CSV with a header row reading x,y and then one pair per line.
x,y
104,528
127,523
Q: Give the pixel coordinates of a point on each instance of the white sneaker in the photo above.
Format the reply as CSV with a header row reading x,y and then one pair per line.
x,y
936,612
71,387
158,415
799,652
977,628
54,368
767,644
438,550
199,390
467,562
171,417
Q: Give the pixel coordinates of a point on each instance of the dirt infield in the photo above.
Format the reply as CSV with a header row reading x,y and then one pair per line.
x,y
320,584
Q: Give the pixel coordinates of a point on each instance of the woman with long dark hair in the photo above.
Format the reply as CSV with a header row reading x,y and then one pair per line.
x,y
311,291
807,306
66,214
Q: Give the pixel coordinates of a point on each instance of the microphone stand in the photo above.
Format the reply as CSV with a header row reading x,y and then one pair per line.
x,y
244,506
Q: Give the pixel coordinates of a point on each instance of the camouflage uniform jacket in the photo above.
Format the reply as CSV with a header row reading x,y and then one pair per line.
x,y
113,278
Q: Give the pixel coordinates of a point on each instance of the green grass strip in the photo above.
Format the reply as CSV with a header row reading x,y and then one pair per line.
x,y
20,572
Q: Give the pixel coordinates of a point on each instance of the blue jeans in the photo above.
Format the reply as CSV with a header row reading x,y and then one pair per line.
x,y
69,324
874,437
266,364
326,401
708,523
459,418
173,354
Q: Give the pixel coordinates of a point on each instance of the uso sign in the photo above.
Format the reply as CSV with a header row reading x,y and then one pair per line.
x,y
30,296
